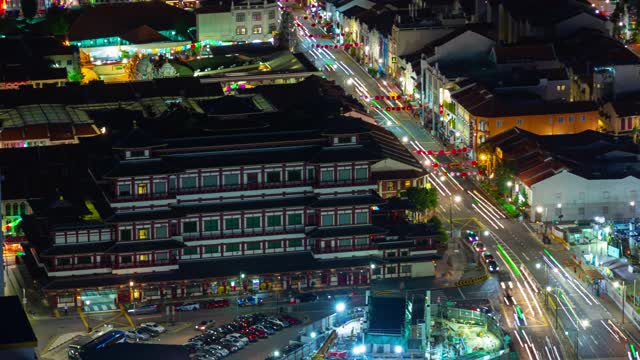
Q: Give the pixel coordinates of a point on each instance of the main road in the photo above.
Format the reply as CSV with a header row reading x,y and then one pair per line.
x,y
599,335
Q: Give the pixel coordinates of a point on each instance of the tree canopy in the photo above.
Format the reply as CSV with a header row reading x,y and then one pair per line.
x,y
422,198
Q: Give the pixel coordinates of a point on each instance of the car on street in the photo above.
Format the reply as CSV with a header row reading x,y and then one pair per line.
x,y
216,303
493,266
250,301
518,315
144,309
204,325
487,256
154,326
479,247
306,297
137,335
472,237
188,307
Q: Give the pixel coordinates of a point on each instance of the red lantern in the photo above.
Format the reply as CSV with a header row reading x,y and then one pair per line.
x,y
463,174
377,97
388,108
464,149
409,108
481,172
441,152
313,25
474,163
441,109
306,17
435,165
429,152
453,151
193,46
335,47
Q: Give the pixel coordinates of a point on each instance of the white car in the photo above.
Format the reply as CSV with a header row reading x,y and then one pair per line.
x,y
277,321
188,307
154,326
233,341
218,348
239,337
137,335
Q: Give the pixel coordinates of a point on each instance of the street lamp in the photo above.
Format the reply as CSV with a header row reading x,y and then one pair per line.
x,y
632,206
340,307
624,294
313,334
276,353
457,199
397,349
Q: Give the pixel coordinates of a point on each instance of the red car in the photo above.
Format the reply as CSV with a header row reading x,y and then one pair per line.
x,y
290,319
259,333
216,303
249,335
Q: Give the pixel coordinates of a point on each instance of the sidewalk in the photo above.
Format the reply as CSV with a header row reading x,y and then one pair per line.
x,y
455,265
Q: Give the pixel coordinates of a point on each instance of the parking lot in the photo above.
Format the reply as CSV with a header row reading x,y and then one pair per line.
x,y
181,327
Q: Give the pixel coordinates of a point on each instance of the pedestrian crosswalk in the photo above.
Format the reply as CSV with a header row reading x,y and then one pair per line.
x,y
99,308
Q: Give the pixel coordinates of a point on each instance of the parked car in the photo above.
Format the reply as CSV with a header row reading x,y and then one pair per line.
x,y
237,343
137,335
144,309
493,266
192,347
267,330
220,349
151,332
239,337
249,335
257,332
188,307
154,326
290,319
250,301
227,345
204,325
216,303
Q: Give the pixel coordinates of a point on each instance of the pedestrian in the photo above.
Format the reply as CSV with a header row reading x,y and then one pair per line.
x,y
66,310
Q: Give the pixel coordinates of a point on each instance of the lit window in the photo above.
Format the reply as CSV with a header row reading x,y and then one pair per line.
x,y
257,29
407,184
143,233
143,258
241,30
142,189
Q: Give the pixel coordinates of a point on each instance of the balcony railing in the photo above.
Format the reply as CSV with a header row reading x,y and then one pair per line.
x,y
343,249
69,267
245,187
354,182
143,264
144,197
228,234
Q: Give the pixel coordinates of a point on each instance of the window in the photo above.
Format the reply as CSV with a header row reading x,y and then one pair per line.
x,y
405,269
407,184
274,244
362,217
623,124
83,260
231,179
272,28
241,30
143,258
211,225
257,29
311,174
7,209
274,220
253,246
550,120
327,220
137,154
124,189
390,185
211,249
391,254
344,174
346,243
498,123
160,187
256,16
581,211
210,181
362,242
326,175
172,184
273,176
240,17
520,122
560,119
362,173
162,256
253,222
344,219
571,119
142,189
125,234
189,227
605,210
294,175
391,270
294,243
272,14
343,140
294,219
63,261
232,247
583,118
231,223
161,232
126,259
143,234
561,87
189,182
190,251
377,271
69,62
252,178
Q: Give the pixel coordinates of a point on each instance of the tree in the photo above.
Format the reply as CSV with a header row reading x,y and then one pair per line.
x,y
57,21
75,76
29,8
422,198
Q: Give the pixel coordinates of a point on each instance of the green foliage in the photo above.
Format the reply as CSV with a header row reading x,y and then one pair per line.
x,y
57,21
29,8
422,198
75,76
509,208
441,233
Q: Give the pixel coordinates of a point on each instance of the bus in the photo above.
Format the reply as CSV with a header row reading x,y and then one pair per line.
x,y
84,345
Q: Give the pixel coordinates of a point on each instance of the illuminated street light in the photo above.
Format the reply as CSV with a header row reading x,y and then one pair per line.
x,y
350,81
131,283
559,206
340,307
485,233
539,209
242,276
373,266
360,349
548,288
405,139
397,349
538,265
442,178
632,203
509,183
276,353
313,334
